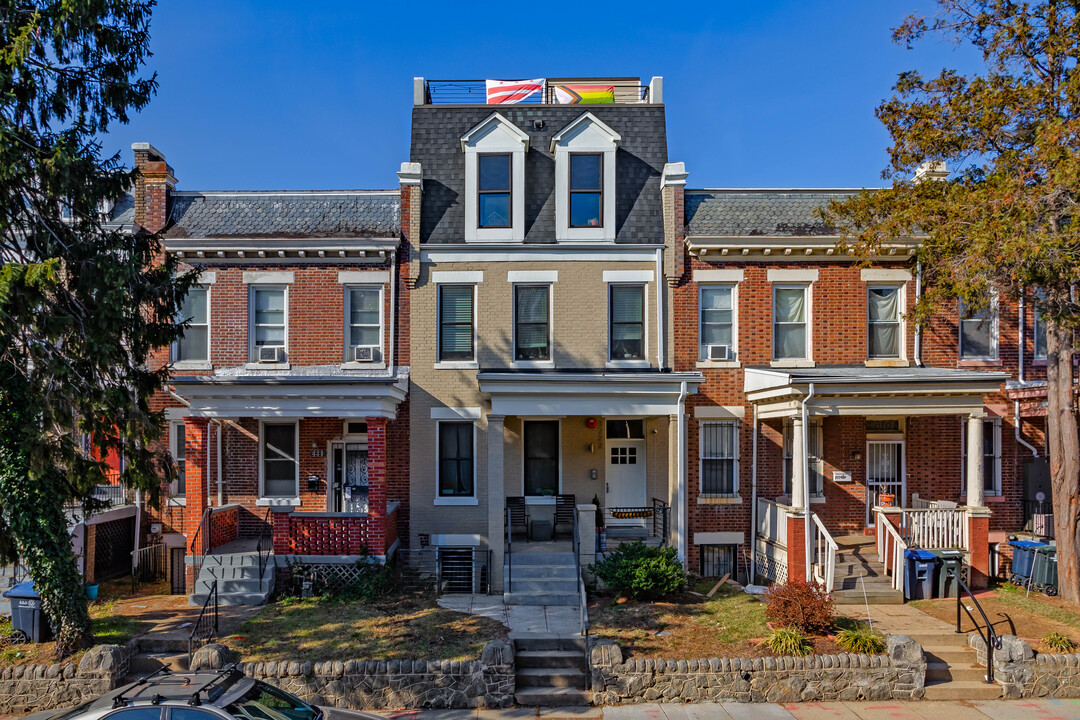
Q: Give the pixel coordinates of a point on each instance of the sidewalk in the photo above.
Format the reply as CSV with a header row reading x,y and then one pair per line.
x,y
522,620
885,710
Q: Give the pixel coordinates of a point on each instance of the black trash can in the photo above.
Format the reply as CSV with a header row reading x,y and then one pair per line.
x,y
919,574
26,614
948,571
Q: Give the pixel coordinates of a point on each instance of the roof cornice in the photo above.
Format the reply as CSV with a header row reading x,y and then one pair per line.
x,y
758,248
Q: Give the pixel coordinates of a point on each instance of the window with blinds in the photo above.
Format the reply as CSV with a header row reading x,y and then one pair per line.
x,y
280,466
720,458
541,457
456,322
365,316
269,317
456,477
883,322
532,315
627,310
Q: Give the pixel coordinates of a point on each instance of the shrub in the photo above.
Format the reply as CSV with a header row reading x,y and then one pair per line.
x,y
802,605
1059,643
788,641
861,640
640,571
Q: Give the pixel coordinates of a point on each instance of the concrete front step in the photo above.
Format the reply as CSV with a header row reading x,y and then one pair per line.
x,y
559,587
949,640
171,644
142,664
521,559
962,690
574,643
233,572
237,598
553,697
229,559
551,678
533,597
540,572
875,597
246,585
548,659
942,671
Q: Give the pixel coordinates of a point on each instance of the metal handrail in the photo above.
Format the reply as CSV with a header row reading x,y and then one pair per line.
x,y
583,616
991,638
198,558
206,626
263,560
509,580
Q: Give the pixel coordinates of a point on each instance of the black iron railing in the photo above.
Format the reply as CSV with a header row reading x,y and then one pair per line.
x,y
474,92
583,606
148,564
206,627
655,519
266,542
201,544
990,637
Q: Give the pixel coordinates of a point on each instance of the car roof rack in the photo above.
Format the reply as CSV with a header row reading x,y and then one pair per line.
x,y
225,677
120,701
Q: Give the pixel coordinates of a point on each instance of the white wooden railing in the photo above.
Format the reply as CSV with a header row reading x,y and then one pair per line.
x,y
935,528
772,522
823,548
890,549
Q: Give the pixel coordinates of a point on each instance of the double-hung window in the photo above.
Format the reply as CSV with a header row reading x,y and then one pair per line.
x,y
991,451
456,464
716,320
364,313
1039,329
789,322
883,322
978,332
720,458
532,322
627,322
586,188
456,319
815,463
494,190
178,441
269,318
541,457
194,346
280,477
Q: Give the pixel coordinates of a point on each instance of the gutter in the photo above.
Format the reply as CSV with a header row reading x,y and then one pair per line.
x,y
806,486
393,312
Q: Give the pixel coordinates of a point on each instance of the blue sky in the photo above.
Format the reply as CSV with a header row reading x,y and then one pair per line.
x,y
269,95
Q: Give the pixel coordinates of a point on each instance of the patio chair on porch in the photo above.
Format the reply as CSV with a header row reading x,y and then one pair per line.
x,y
565,507
518,514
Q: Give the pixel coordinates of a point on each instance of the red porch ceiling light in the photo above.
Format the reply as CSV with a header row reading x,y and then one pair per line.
x,y
590,422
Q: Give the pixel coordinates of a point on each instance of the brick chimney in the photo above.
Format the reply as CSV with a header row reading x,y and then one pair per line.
x,y
153,186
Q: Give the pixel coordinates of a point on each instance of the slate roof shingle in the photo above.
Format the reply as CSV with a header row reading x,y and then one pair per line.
x,y
758,212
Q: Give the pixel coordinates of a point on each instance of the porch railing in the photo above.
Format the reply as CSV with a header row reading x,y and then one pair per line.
x,y
771,522
148,564
935,528
656,517
890,549
206,627
823,547
265,545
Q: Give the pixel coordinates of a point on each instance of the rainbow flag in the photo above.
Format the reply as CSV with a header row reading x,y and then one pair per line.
x,y
511,92
584,94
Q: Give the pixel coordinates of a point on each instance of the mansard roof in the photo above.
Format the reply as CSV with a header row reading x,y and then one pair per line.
x,y
753,212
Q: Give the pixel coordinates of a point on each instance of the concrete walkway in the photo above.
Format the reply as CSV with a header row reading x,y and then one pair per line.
x,y
885,710
522,620
899,619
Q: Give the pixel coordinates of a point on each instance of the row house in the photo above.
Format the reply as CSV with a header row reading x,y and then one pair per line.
x,y
541,332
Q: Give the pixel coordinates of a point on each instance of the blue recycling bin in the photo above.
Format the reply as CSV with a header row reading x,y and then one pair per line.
x,y
1023,558
919,574
26,614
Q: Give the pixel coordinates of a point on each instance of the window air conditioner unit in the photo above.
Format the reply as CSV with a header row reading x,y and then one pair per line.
x,y
271,353
719,352
364,353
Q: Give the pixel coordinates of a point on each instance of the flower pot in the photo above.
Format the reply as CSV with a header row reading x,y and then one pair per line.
x,y
887,499
91,592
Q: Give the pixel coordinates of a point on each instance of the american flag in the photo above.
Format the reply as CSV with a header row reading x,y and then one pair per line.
x,y
510,92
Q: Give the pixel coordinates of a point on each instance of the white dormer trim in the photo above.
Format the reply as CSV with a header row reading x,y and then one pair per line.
x,y
495,134
586,134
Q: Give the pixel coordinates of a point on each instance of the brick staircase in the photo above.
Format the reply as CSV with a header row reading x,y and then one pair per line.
x,y
550,671
237,575
858,571
952,669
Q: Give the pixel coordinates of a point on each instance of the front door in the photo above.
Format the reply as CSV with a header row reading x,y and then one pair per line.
x,y
884,474
350,488
625,478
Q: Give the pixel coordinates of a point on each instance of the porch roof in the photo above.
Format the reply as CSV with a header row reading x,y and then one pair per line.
x,y
859,390
586,392
321,391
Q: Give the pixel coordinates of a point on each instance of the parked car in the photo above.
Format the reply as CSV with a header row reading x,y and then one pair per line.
x,y
208,695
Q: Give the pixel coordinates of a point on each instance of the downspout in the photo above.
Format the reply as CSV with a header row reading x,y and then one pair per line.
x,y
1020,349
138,532
806,486
661,301
220,481
1016,429
393,311
918,325
1021,375
753,500
684,513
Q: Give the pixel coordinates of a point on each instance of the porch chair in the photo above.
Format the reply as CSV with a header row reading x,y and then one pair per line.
x,y
518,515
565,507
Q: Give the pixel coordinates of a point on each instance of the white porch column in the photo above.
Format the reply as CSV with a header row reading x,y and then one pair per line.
x,y
975,460
798,464
677,512
496,499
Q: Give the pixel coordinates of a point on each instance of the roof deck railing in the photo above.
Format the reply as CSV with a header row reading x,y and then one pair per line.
x,y
548,91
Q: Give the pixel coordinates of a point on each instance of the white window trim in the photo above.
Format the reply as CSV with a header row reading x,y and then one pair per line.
x,y
541,499
346,340
1036,321
455,364
995,349
735,361
207,364
636,363
252,358
901,289
174,428
278,499
532,364
996,469
462,499
505,138
808,322
701,458
569,141
269,277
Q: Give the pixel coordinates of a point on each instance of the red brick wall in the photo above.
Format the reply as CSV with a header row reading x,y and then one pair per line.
x,y
297,534
224,526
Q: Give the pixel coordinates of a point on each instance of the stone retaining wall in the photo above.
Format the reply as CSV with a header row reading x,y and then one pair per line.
x,y
358,684
899,674
31,688
1022,674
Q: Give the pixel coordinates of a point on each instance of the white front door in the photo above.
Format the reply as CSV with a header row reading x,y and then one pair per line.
x,y
625,478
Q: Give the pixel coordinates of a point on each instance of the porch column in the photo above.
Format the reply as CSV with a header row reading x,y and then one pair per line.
x,y
496,498
975,463
798,464
197,472
676,513
375,530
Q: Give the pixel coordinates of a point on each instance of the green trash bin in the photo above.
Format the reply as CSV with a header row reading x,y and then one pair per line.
x,y
1044,570
948,571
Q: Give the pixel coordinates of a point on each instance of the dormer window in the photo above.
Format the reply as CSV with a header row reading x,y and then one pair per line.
x,y
585,181
495,181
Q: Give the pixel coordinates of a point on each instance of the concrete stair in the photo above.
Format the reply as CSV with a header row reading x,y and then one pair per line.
x,y
952,671
237,576
541,578
550,671
859,572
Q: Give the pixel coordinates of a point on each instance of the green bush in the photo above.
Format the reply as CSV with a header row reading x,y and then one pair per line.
x,y
788,641
640,571
1059,643
861,639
